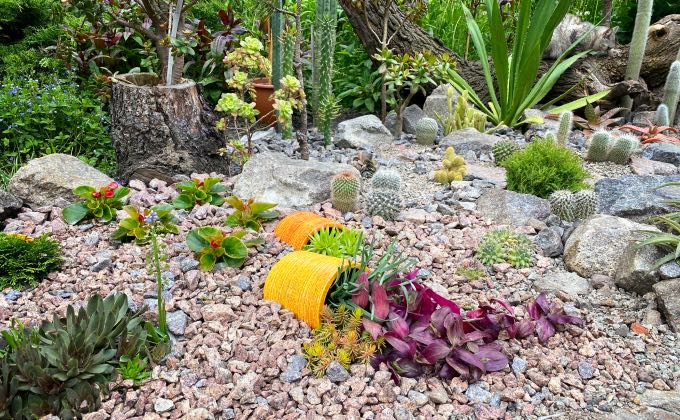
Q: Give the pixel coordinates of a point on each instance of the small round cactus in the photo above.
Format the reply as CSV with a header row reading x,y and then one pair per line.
x,y
426,131
622,148
503,149
562,205
585,204
345,191
386,204
386,179
453,168
599,147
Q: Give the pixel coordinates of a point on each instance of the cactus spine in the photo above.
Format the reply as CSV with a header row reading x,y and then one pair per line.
x,y
638,44
323,102
386,179
345,191
570,206
503,149
385,197
622,148
566,121
599,147
287,56
662,117
585,204
453,169
426,131
671,93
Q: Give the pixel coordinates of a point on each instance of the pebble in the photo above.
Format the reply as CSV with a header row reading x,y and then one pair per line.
x,y
336,372
294,370
162,405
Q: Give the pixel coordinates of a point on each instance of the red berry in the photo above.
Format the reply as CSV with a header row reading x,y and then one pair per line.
x,y
108,193
96,194
113,185
213,244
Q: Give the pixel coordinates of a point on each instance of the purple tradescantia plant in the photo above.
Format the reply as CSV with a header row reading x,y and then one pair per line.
x,y
548,316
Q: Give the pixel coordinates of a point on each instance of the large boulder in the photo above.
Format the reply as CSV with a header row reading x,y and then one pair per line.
x,y
663,152
50,180
437,103
636,197
364,132
9,205
668,295
598,243
511,208
290,183
412,114
469,139
668,401
635,272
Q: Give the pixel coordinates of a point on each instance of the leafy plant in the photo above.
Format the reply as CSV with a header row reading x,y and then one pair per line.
x,y
212,246
340,339
25,261
250,214
335,242
652,133
135,369
514,85
471,273
99,203
141,222
505,246
199,192
542,168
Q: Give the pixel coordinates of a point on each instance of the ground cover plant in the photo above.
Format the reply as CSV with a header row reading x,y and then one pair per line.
x,y
25,261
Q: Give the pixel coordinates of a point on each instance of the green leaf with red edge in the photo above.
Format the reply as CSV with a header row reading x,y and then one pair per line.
x,y
234,247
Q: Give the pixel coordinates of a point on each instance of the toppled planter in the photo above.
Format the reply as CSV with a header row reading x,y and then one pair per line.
x,y
296,228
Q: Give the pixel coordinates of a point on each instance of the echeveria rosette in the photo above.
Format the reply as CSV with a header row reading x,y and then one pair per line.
x,y
199,192
138,226
99,203
212,246
250,214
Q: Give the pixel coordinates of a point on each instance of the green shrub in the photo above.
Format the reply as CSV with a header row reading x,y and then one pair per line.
x,y
39,117
544,167
25,261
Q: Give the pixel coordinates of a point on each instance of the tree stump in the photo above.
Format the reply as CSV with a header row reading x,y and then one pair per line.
x,y
160,131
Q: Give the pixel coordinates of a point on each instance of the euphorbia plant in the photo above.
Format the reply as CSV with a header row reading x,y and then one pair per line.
x,y
212,246
250,214
199,192
99,203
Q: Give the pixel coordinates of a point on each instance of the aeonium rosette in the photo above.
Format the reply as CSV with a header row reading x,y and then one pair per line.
x,y
100,203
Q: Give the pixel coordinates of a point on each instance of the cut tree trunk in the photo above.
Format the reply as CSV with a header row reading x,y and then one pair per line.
x,y
592,74
161,131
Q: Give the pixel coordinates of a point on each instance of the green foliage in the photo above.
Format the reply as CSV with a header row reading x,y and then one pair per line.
x,y
471,273
340,339
503,149
625,11
100,204
212,246
52,116
462,115
345,191
358,85
62,366
514,85
322,65
135,369
543,167
671,93
668,238
250,214
505,246
25,261
138,226
453,168
199,192
335,242
564,130
426,131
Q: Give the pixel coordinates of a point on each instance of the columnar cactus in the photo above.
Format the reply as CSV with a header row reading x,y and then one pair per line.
x,y
345,191
287,56
585,204
638,44
426,131
453,168
503,149
385,197
322,64
562,204
662,116
671,93
564,130
599,147
622,148
386,179
277,47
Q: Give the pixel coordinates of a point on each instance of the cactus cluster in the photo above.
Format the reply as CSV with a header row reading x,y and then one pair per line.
x,y
503,149
287,69
453,168
671,94
345,188
570,206
638,44
385,197
604,147
462,115
564,130
426,131
323,102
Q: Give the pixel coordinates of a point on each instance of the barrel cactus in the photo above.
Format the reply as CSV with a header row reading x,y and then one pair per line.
x,y
622,148
453,168
386,179
562,205
384,203
426,131
585,204
599,147
345,191
503,149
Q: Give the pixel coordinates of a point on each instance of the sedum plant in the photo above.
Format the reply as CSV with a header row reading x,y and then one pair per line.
x,y
199,192
335,242
99,203
250,214
505,246
212,246
25,261
453,168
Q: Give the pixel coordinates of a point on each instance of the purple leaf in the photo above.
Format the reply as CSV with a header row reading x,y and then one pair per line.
x,y
422,337
562,319
438,318
534,311
360,297
398,325
493,360
459,366
441,301
544,329
454,330
446,372
477,335
521,329
412,274
401,347
374,329
381,304
505,305
436,351
468,357
407,368
542,301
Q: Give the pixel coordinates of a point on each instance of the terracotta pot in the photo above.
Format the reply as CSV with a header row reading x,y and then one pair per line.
x,y
296,228
264,100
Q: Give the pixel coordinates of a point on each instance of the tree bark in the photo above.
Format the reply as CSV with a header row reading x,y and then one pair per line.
x,y
161,131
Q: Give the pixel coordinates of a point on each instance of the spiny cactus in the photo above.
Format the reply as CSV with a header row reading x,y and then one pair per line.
x,y
384,203
585,204
386,179
564,130
638,44
562,204
345,191
287,56
503,149
662,117
277,20
671,93
622,148
426,131
462,115
599,147
453,168
322,63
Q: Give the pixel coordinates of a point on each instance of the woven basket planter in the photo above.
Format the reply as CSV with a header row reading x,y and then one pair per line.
x,y
300,282
296,228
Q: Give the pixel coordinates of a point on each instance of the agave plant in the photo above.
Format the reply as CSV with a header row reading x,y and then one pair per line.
x,y
652,133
